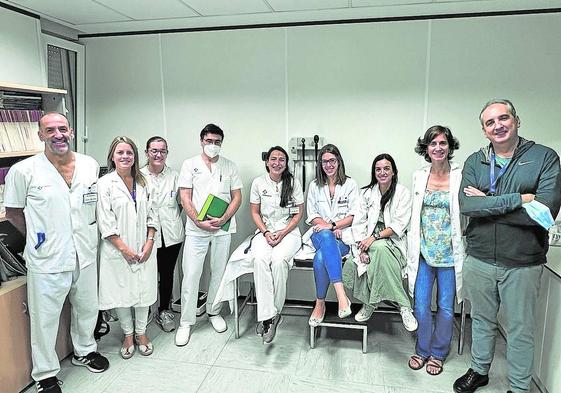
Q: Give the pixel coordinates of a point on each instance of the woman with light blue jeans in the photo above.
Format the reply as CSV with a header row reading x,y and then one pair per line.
x,y
435,248
330,207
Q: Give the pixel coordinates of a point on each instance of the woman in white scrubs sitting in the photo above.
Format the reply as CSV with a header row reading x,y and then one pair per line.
x,y
163,185
330,206
277,205
127,268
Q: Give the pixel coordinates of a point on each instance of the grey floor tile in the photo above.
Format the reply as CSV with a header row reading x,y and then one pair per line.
x,y
147,374
323,386
222,380
204,346
341,360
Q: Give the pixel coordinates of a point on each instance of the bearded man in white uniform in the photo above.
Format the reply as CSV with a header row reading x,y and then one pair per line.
x,y
51,199
204,174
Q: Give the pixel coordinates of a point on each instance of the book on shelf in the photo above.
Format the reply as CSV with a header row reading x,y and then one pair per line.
x,y
18,130
214,207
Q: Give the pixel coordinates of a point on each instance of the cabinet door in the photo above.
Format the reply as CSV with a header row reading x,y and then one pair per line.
x,y
551,358
15,356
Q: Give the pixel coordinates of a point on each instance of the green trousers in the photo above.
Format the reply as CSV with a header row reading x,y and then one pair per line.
x,y
382,280
516,290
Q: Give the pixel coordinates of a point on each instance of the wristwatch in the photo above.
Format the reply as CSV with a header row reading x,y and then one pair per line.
x,y
377,236
150,238
333,226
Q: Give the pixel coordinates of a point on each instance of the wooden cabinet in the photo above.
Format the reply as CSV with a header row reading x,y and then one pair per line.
x,y
15,356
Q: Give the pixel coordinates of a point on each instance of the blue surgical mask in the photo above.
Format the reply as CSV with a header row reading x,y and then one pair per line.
x,y
539,213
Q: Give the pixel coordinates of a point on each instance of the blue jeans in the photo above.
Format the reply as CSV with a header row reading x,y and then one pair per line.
x,y
327,260
434,339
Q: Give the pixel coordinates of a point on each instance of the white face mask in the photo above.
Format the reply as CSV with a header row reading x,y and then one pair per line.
x,y
211,150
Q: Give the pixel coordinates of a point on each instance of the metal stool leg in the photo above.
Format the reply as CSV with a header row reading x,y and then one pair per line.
x,y
312,337
365,340
462,329
236,310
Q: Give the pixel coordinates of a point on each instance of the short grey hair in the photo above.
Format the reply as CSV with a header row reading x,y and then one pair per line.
x,y
503,101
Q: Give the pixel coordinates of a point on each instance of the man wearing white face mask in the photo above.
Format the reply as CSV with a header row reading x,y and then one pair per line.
x,y
204,174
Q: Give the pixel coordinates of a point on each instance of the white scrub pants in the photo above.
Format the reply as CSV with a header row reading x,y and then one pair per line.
x,y
130,324
270,274
194,252
46,293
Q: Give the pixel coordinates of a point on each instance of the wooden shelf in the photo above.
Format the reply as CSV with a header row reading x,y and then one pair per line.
x,y
19,153
29,89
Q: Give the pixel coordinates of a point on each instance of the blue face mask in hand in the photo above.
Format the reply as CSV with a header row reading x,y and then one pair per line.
x,y
539,213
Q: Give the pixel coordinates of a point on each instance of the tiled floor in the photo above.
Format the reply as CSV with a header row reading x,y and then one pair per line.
x,y
220,363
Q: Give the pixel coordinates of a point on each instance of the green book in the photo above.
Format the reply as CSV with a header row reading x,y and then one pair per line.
x,y
214,207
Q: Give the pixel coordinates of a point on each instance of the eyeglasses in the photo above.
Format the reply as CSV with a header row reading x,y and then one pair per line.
x,y
216,142
332,162
155,152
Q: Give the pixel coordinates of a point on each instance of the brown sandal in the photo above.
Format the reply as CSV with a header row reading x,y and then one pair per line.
x,y
416,362
436,365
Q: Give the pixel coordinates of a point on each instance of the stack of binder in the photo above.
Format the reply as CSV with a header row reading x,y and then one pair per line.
x,y
18,130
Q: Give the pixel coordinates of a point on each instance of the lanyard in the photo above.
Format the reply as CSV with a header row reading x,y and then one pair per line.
x,y
492,180
133,192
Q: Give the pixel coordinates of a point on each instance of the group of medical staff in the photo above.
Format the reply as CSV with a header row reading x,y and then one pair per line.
x,y
365,241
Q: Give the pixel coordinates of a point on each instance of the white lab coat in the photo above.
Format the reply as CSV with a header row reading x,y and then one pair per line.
x,y
420,179
163,196
344,204
397,214
64,215
119,286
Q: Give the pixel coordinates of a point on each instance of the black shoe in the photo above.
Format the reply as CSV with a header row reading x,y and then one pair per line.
x,y
48,385
93,361
470,381
270,328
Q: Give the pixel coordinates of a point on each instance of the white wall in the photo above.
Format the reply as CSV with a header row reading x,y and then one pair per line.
x,y
20,50
368,88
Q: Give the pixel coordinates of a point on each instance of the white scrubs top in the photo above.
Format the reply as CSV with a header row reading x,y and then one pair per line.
x,y
163,194
54,237
267,193
220,180
119,284
343,204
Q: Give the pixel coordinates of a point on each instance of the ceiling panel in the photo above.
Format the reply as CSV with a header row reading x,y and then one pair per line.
x,y
150,9
300,5
78,12
227,7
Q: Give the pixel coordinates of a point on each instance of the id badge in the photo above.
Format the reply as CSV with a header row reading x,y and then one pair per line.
x,y
89,198
293,210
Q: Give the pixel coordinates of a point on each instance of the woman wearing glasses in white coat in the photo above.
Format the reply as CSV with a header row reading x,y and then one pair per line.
x,y
331,201
163,185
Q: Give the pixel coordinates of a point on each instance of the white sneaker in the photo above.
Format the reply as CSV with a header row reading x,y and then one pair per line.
x,y
408,318
218,323
364,313
182,335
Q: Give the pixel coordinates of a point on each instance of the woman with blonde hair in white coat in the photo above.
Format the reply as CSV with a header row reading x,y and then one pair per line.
x,y
127,267
435,248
